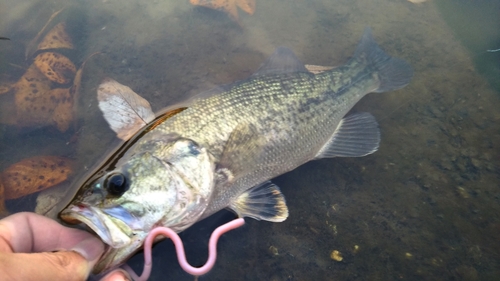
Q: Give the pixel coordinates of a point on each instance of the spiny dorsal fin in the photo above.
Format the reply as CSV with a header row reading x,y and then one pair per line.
x,y
283,60
356,135
262,202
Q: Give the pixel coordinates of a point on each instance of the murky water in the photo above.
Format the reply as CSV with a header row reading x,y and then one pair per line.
x,y
424,207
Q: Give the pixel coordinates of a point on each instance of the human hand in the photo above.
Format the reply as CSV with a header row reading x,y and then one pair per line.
x,y
34,247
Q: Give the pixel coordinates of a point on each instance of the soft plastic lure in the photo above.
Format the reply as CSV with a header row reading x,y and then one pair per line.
x,y
179,247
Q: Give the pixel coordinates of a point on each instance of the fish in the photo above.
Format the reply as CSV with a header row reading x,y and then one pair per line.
x,y
230,7
221,149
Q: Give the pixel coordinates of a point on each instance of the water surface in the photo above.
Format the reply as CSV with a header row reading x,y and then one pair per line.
x,y
424,207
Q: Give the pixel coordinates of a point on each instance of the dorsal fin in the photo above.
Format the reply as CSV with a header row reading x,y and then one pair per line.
x,y
283,60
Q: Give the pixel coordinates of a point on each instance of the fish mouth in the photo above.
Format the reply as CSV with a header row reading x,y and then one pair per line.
x,y
113,231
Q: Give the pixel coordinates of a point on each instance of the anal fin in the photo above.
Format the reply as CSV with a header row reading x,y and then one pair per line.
x,y
262,202
356,135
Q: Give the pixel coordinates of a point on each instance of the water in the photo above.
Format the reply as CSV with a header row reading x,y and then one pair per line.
x,y
424,207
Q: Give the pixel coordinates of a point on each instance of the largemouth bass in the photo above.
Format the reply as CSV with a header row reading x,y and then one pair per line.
x,y
221,148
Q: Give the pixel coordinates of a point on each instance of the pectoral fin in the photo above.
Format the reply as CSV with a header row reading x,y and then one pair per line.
x,y
261,202
356,135
125,111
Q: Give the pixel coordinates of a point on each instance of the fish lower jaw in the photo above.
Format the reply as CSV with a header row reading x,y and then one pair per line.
x,y
114,257
100,223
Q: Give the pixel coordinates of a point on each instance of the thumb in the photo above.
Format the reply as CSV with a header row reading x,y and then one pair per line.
x,y
66,265
75,264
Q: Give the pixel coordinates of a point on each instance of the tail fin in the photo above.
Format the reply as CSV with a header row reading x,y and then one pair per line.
x,y
393,73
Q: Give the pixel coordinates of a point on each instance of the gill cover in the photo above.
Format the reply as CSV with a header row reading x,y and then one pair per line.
x,y
163,180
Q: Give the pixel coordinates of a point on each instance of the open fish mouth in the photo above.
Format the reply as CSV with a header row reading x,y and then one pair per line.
x,y
112,230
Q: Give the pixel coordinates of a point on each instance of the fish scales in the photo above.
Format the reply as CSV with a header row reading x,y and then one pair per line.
x,y
290,111
221,149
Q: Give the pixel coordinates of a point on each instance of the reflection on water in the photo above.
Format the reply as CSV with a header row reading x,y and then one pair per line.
x,y
478,33
425,206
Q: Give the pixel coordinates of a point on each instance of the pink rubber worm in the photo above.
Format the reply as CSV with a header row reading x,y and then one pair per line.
x,y
179,247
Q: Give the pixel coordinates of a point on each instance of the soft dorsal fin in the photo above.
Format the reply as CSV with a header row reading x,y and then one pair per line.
x,y
125,111
261,202
283,60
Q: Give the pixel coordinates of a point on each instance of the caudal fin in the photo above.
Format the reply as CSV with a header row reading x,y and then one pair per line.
x,y
393,73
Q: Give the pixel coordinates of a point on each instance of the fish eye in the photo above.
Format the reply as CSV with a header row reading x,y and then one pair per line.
x,y
116,184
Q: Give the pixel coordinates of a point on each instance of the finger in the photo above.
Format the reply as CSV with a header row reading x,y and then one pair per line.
x,y
28,232
116,275
66,265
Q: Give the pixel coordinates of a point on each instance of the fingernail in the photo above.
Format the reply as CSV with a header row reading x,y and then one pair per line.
x,y
91,249
117,275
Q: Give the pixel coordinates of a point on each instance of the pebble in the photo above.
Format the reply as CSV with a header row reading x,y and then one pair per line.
x,y
462,192
336,256
273,251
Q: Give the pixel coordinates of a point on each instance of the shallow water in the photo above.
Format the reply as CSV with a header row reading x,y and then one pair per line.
x,y
424,207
